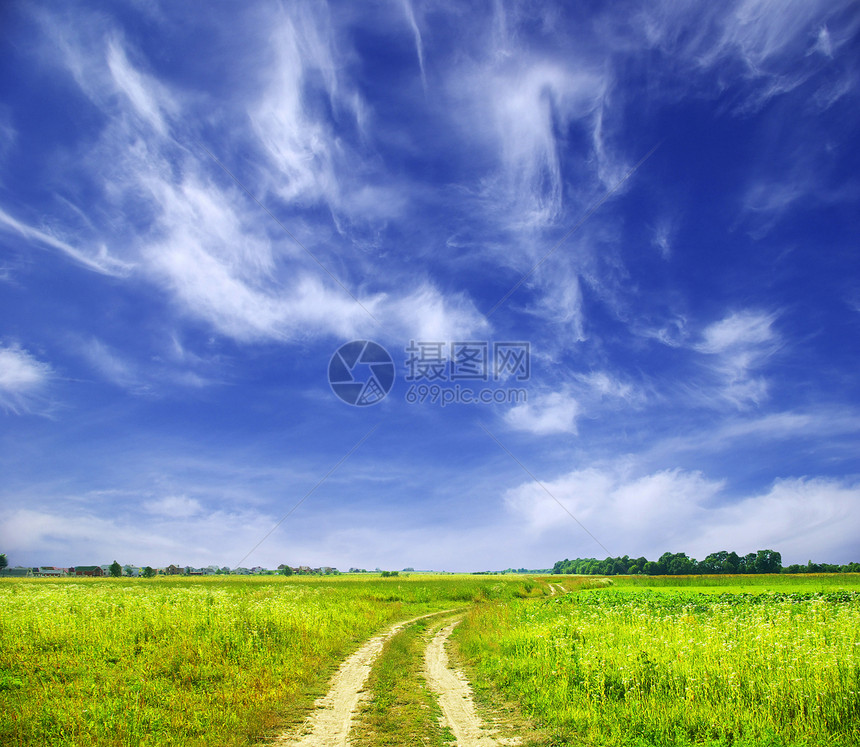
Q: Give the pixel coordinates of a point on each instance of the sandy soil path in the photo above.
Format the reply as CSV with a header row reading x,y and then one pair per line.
x,y
332,717
455,695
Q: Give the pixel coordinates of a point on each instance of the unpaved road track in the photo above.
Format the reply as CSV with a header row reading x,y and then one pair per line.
x,y
455,695
331,720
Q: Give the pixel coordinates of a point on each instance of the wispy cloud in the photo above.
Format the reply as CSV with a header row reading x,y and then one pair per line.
x,y
678,510
149,99
8,133
220,257
739,344
546,414
22,379
524,105
409,10
112,366
99,260
769,43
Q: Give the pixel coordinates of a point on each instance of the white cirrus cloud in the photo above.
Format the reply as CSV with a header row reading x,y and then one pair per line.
x,y
98,260
22,379
546,414
148,97
738,345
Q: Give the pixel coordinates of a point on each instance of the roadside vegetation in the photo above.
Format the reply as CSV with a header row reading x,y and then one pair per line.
x,y
631,661
690,661
190,661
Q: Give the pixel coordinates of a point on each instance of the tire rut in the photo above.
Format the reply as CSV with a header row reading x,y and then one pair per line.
x,y
455,696
330,722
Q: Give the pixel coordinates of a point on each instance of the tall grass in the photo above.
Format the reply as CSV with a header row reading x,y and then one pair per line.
x,y
204,661
649,668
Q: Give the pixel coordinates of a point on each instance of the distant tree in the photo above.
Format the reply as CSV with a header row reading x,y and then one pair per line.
x,y
732,563
148,572
768,561
674,564
747,564
714,563
3,561
115,569
287,571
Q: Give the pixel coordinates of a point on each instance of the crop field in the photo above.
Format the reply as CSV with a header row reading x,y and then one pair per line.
x,y
201,661
692,660
635,661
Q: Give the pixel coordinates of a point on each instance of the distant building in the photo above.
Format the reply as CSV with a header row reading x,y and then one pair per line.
x,y
88,570
16,572
49,571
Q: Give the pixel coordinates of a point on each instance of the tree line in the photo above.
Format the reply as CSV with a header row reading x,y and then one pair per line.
x,y
678,564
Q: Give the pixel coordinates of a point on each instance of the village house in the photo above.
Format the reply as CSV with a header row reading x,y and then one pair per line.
x,y
16,572
87,570
48,571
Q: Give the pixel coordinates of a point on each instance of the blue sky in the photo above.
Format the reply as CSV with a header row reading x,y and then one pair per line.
x,y
199,206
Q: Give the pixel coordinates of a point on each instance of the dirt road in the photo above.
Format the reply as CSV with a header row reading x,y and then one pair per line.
x,y
332,717
330,722
455,696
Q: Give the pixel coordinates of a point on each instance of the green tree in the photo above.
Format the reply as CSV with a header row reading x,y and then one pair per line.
x,y
747,564
768,561
732,563
115,569
148,572
287,571
714,563
3,561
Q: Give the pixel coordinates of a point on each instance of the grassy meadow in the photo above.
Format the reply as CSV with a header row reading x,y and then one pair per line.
x,y
191,661
622,662
767,660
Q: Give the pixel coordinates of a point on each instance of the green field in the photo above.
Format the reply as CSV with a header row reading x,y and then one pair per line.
x,y
768,660
190,661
